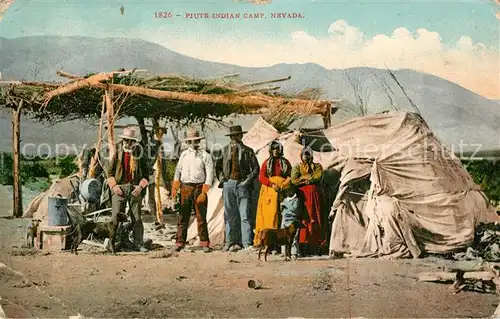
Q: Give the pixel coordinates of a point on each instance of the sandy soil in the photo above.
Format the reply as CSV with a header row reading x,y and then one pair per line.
x,y
193,284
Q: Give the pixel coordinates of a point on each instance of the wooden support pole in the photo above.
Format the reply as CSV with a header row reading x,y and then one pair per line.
x,y
327,117
159,171
110,113
143,130
16,143
250,102
95,158
266,89
68,75
265,82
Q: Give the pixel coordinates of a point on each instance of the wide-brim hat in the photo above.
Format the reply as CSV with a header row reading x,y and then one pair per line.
x,y
193,135
234,130
129,133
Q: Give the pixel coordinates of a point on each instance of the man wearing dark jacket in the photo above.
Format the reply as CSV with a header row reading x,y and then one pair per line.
x,y
127,177
237,169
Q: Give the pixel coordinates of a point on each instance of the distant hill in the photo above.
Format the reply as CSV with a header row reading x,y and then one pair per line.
x,y
456,114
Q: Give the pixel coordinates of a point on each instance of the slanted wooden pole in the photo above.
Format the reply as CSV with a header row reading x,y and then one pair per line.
x,y
159,171
327,117
110,113
16,143
95,158
143,130
265,82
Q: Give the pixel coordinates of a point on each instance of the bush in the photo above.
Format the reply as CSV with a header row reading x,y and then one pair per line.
x,y
39,184
486,174
67,165
29,170
6,177
35,170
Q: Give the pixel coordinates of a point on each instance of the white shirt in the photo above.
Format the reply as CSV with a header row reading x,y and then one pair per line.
x,y
195,166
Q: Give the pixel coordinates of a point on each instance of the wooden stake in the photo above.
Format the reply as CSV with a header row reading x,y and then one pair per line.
x,y
159,171
68,75
327,117
265,82
450,276
271,88
93,162
108,95
16,142
142,128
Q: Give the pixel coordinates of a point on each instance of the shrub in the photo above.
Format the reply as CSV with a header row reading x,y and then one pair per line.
x,y
486,174
6,177
67,165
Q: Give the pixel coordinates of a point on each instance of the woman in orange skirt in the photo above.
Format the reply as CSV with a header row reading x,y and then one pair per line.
x,y
307,176
274,176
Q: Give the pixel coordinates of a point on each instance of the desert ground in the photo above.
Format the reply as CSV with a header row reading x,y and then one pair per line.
x,y
194,284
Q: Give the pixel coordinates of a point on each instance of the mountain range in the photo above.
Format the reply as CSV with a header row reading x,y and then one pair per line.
x,y
455,114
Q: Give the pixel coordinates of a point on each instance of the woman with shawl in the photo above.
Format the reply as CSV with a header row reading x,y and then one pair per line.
x,y
274,177
307,176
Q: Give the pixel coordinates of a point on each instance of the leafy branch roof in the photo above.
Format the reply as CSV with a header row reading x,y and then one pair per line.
x,y
150,96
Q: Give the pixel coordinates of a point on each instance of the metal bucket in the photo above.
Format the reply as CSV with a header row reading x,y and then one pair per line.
x,y
58,211
90,190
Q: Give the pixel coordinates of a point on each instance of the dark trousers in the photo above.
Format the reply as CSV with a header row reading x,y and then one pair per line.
x,y
118,204
189,193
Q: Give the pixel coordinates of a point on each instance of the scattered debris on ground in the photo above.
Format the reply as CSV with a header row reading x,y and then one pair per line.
x,y
163,254
486,244
485,281
24,251
323,281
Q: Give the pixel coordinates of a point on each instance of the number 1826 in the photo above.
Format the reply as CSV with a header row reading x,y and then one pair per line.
x,y
163,15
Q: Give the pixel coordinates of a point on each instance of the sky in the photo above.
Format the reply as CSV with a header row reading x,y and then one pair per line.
x,y
456,40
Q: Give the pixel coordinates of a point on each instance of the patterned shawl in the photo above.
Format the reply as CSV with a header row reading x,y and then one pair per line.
x,y
270,161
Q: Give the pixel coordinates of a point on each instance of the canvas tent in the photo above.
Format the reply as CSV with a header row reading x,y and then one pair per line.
x,y
401,192
38,207
420,198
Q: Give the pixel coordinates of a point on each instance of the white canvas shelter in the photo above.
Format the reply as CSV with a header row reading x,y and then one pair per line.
x,y
38,207
421,198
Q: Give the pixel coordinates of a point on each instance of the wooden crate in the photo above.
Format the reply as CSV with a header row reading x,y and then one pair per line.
x,y
53,237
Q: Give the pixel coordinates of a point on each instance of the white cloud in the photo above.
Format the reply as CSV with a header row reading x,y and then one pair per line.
x,y
470,64
4,5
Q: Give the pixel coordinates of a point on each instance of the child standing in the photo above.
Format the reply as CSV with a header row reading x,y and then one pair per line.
x,y
290,210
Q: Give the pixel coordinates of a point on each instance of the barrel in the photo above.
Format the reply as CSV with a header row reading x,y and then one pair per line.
x,y
90,189
57,211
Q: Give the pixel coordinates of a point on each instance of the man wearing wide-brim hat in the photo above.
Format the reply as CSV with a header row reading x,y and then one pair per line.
x,y
127,177
193,178
237,169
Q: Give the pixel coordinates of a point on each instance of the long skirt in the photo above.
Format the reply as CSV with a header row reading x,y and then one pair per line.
x,y
313,235
267,208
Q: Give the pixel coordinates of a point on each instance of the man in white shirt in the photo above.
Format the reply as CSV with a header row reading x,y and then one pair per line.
x,y
193,177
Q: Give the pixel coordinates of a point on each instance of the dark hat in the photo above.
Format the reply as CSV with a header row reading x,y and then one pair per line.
x,y
236,129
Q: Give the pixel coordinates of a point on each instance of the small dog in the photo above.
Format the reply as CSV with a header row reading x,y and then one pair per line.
x,y
101,230
270,238
31,233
